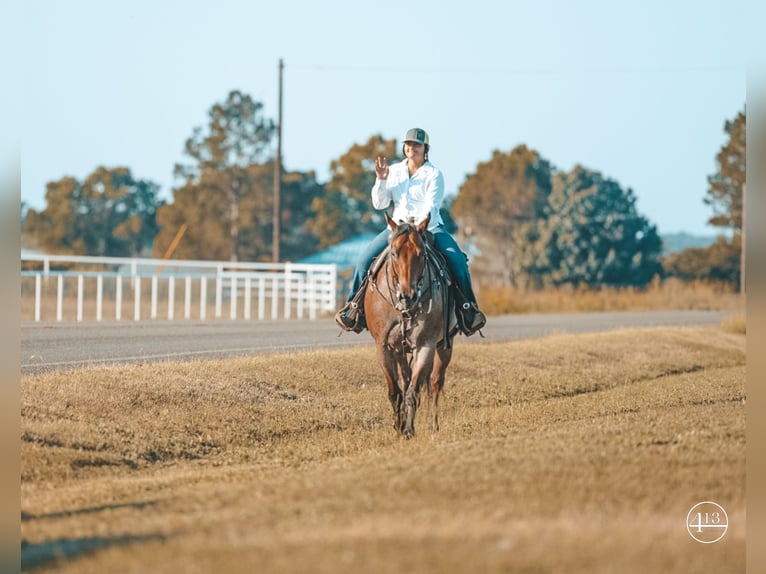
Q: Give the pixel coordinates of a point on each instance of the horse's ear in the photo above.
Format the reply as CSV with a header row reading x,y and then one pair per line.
x,y
424,224
391,223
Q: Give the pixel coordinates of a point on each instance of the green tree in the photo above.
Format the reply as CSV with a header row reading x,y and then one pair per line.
x,y
237,135
110,213
592,236
496,205
345,209
726,186
299,191
225,187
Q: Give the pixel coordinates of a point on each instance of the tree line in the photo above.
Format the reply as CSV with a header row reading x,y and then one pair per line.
x,y
526,223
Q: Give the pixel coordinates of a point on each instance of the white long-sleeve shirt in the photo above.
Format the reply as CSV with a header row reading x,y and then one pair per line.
x,y
414,196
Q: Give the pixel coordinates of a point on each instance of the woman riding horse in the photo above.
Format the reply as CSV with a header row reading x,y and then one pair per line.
x,y
416,186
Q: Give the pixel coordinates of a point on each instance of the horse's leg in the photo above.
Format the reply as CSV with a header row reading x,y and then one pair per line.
x,y
405,379
389,365
436,384
422,362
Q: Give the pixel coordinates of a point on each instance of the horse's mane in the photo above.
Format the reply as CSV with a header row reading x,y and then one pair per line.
x,y
403,229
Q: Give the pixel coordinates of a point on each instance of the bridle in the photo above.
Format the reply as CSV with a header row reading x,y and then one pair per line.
x,y
406,306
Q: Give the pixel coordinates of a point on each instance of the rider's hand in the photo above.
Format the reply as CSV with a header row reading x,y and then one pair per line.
x,y
381,168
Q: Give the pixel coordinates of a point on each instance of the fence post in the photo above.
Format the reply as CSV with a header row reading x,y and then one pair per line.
x,y
59,297
288,289
137,298
274,297
233,298
218,292
301,295
187,298
202,298
153,310
261,298
171,297
99,296
118,297
314,294
79,297
38,296
246,310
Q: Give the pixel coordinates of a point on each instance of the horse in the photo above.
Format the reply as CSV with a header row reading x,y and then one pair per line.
x,y
410,315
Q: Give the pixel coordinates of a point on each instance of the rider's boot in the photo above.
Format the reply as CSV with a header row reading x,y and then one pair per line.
x,y
351,318
473,318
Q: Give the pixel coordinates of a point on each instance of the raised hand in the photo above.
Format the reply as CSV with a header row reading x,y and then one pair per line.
x,y
381,168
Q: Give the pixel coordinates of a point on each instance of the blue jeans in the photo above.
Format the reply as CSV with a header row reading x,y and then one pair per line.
x,y
443,242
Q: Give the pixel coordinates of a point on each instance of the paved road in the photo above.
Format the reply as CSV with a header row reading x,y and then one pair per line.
x,y
47,347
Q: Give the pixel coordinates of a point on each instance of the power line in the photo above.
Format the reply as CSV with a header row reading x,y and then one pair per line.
x,y
521,71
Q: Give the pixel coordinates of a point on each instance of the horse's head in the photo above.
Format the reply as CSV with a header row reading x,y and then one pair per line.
x,y
408,260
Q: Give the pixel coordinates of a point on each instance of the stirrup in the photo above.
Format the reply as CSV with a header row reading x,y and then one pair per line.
x,y
472,319
350,318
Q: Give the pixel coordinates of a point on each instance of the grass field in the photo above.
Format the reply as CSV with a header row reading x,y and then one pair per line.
x,y
567,454
668,294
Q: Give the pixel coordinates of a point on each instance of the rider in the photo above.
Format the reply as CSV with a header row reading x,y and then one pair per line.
x,y
416,187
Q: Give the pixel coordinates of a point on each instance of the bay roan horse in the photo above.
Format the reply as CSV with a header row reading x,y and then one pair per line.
x,y
410,315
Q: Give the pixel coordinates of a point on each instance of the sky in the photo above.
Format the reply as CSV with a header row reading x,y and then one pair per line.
x,y
638,91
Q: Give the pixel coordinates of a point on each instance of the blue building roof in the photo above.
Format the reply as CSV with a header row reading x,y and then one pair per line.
x,y
343,254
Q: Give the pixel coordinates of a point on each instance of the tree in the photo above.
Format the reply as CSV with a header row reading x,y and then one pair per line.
x,y
345,209
111,213
203,206
726,186
496,204
717,262
721,261
222,181
237,136
299,191
592,236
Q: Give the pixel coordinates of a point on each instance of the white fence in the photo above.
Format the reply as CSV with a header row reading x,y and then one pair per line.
x,y
57,287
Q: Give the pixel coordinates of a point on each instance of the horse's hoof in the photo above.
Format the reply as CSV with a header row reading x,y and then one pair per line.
x,y
408,434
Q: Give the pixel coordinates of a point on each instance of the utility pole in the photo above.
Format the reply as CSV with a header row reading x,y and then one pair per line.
x,y
277,176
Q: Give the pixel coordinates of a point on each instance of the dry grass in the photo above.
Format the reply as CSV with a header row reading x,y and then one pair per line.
x,y
567,454
735,324
670,294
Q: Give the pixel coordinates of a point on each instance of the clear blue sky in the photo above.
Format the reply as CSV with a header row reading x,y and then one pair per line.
x,y
639,91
